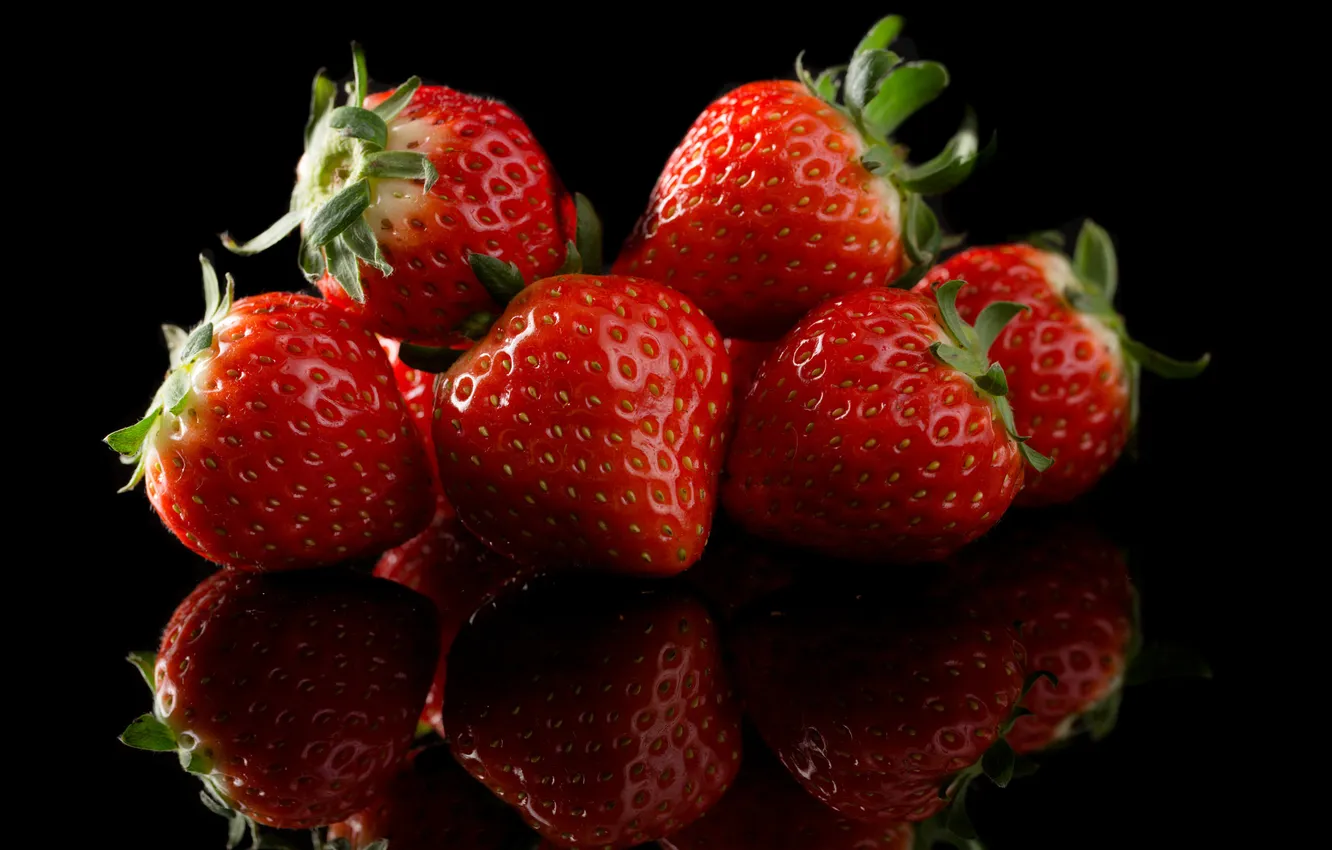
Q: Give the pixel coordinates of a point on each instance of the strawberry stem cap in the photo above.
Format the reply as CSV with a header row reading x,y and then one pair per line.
x,y
186,351
344,154
969,354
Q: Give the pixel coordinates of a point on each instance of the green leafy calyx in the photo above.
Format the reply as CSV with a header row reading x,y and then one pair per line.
x,y
969,354
1096,279
187,351
344,154
879,91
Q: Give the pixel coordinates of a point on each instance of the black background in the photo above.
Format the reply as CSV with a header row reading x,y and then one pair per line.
x,y
1087,126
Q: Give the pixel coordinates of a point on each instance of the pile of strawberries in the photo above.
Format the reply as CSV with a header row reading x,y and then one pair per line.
x,y
781,377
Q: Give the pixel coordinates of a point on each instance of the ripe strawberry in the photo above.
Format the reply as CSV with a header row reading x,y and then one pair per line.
x,y
600,710
881,704
433,804
588,427
767,810
459,574
293,696
396,192
1069,588
278,439
1071,366
779,197
878,430
746,358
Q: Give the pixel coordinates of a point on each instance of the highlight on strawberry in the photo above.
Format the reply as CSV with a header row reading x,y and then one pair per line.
x,y
292,696
1073,371
397,191
879,431
782,194
279,439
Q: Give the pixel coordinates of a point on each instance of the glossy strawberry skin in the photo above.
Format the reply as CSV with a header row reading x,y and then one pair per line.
x,y
857,443
1067,379
497,194
875,704
764,210
601,711
588,427
768,810
302,688
431,804
295,448
1070,590
456,572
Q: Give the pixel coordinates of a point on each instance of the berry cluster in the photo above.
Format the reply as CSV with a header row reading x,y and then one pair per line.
x,y
556,644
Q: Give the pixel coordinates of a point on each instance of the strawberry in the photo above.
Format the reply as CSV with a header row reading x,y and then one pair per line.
x,y
779,197
459,574
1071,366
293,696
1069,588
600,710
767,810
279,439
430,804
746,358
882,704
398,191
878,430
588,427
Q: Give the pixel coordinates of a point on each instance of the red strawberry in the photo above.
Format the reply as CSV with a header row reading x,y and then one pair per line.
x,y
878,430
1070,364
779,197
588,427
746,358
766,810
880,703
1069,588
279,439
396,192
459,574
600,710
294,696
432,804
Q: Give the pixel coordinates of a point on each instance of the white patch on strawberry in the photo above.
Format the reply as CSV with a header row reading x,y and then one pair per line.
x,y
396,201
1059,274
